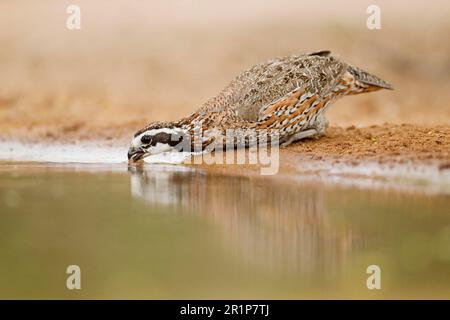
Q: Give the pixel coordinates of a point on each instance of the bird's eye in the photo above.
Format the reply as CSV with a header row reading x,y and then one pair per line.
x,y
146,139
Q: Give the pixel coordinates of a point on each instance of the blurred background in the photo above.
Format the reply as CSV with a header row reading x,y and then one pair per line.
x,y
133,62
179,232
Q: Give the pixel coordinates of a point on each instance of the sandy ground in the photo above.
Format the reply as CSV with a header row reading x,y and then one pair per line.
x,y
131,65
386,143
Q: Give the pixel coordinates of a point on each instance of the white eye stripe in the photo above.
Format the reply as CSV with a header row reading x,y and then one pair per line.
x,y
153,132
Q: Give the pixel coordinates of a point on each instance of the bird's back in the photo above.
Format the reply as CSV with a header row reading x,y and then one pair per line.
x,y
267,82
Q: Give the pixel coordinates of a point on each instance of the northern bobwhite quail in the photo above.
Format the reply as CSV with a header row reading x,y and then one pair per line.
x,y
284,97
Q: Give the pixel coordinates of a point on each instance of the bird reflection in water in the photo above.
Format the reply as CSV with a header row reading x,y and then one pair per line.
x,y
267,223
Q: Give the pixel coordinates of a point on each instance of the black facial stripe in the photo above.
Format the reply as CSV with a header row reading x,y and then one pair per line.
x,y
161,137
166,138
175,141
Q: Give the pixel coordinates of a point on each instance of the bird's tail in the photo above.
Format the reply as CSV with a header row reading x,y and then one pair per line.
x,y
366,82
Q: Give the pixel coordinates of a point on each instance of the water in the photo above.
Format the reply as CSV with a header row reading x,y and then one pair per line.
x,y
179,232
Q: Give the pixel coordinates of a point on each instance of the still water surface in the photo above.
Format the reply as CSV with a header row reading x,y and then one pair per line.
x,y
178,232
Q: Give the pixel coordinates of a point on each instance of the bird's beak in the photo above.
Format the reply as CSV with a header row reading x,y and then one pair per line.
x,y
135,154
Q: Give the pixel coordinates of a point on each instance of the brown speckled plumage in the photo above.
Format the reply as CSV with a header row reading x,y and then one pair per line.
x,y
287,96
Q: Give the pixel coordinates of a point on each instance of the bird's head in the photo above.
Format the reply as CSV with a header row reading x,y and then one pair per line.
x,y
156,138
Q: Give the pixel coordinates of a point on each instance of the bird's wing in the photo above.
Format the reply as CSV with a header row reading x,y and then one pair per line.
x,y
278,82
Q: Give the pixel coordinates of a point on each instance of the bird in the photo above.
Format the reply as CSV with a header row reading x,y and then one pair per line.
x,y
284,98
